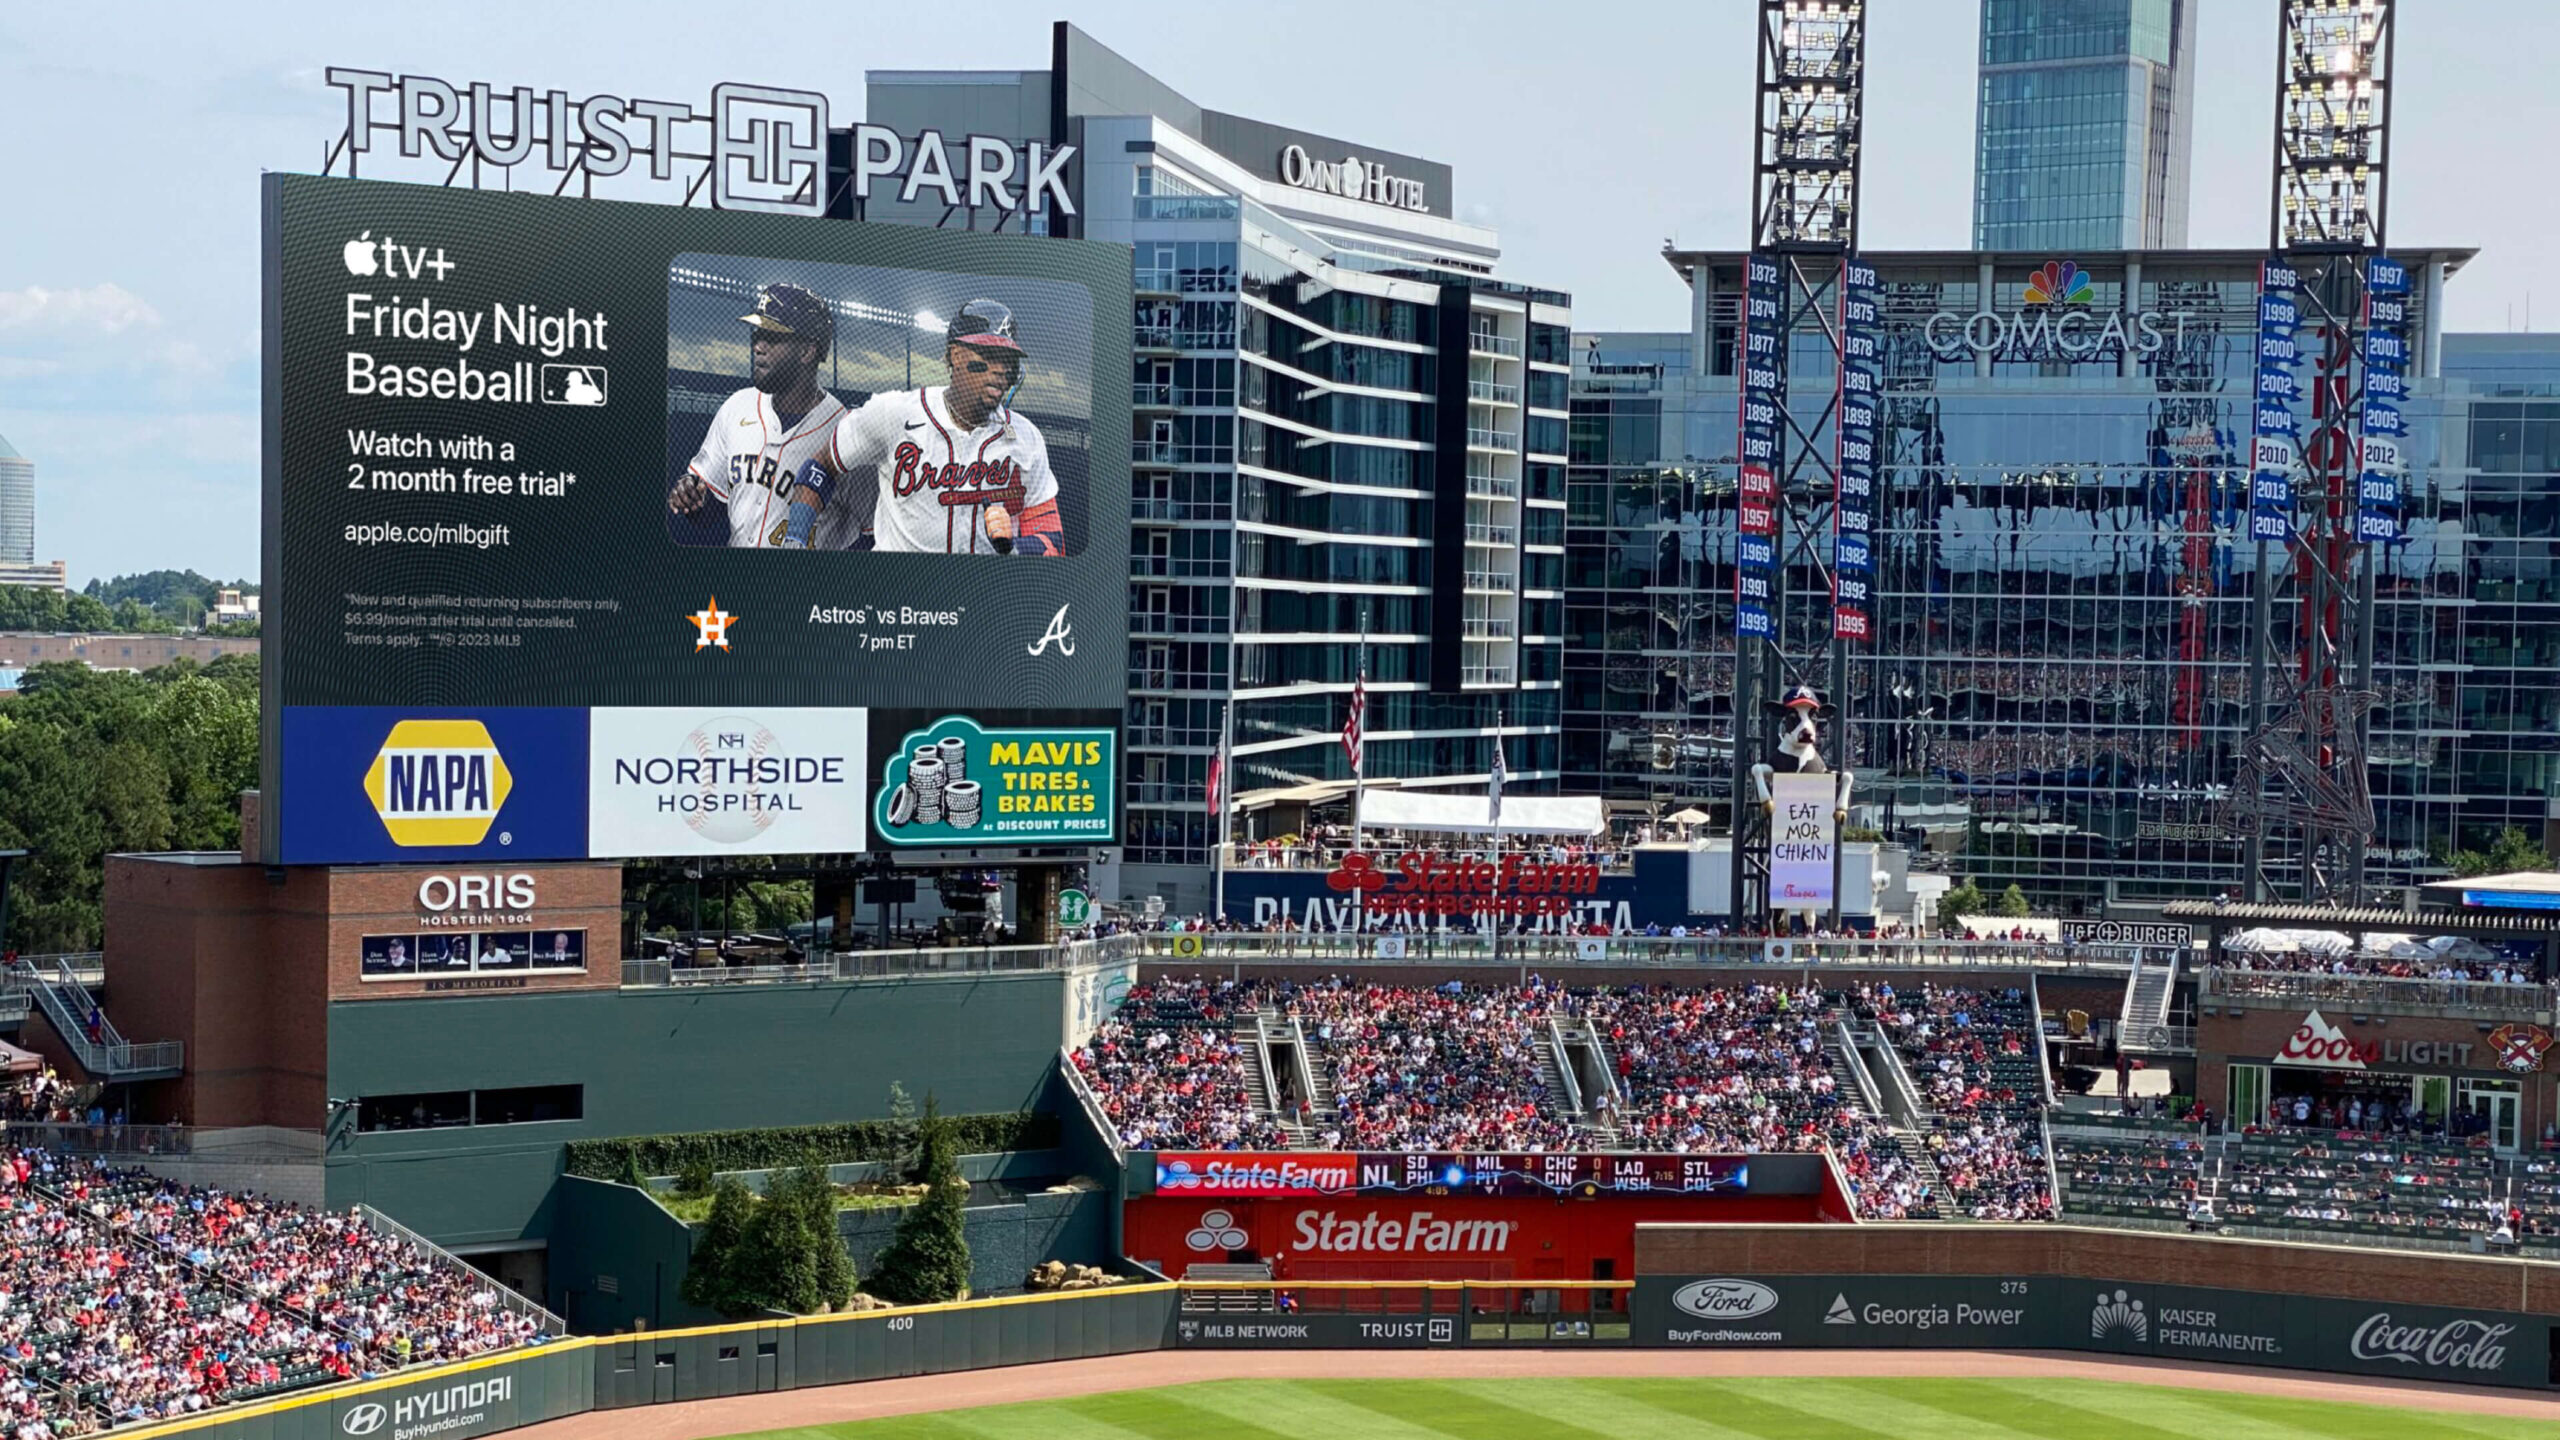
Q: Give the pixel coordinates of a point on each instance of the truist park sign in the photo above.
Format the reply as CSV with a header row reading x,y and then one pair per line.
x,y
759,147
2055,320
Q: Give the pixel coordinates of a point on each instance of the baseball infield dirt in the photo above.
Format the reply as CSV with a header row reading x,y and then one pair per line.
x,y
788,1409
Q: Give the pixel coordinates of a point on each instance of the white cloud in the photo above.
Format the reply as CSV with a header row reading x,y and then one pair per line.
x,y
107,309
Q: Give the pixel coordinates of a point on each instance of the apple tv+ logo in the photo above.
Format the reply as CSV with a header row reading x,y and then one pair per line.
x,y
366,256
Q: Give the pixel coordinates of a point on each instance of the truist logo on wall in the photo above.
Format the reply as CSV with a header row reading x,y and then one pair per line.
x,y
2457,1344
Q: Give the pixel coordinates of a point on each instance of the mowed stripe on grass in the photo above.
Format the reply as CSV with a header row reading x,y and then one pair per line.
x,y
1617,1409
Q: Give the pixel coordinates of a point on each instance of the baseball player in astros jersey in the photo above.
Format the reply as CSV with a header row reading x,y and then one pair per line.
x,y
960,473
759,438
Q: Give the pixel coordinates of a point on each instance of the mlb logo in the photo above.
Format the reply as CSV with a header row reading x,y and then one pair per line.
x,y
573,385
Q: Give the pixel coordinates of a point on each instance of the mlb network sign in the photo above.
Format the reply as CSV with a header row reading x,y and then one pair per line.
x,y
369,785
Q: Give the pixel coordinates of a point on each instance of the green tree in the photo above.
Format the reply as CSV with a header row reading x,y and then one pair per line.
x,y
694,1180
905,1156
928,1260
631,1175
781,1267
2013,903
2511,851
1964,898
711,1276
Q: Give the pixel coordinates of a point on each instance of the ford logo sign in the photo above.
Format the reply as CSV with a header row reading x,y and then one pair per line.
x,y
364,1419
1725,1299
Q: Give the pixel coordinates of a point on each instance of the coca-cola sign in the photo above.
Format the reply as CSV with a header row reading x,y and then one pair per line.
x,y
2461,1343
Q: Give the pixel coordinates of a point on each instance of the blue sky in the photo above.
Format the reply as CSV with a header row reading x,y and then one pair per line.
x,y
135,136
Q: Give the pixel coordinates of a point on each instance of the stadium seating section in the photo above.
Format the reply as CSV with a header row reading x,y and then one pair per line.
x,y
2328,1185
126,1297
1739,1069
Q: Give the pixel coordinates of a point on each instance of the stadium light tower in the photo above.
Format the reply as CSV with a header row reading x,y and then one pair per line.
x,y
2302,769
1799,313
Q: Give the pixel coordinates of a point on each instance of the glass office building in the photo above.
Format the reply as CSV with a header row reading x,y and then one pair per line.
x,y
17,507
1344,424
2083,123
2059,680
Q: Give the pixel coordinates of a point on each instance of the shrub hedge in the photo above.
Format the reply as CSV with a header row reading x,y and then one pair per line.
x,y
776,1149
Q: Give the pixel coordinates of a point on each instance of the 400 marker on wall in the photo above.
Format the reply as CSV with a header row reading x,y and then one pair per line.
x,y
956,783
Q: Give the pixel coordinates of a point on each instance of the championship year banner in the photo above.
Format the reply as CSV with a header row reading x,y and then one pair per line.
x,y
539,452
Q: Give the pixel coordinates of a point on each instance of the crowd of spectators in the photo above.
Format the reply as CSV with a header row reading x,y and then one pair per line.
x,y
1728,1070
127,1297
1169,1072
1974,1056
2305,962
1453,1068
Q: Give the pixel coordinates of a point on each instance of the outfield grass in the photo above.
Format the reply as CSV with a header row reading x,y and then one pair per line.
x,y
1772,1409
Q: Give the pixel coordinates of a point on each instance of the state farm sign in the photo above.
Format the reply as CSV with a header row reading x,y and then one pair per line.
x,y
1211,1173
1422,882
1354,1232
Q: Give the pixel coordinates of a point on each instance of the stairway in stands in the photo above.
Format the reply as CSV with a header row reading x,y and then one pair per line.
x,y
1857,1089
1597,1082
2143,1025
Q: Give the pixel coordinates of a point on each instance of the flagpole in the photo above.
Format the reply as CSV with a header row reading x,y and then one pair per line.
x,y
1219,781
1360,757
1493,819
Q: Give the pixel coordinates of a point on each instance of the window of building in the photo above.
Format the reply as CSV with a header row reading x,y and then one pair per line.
x,y
428,1110
529,1104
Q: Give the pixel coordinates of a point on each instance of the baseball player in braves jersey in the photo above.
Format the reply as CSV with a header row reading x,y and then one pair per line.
x,y
960,473
744,473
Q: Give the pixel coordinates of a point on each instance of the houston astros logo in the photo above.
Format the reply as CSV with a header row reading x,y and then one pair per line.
x,y
712,625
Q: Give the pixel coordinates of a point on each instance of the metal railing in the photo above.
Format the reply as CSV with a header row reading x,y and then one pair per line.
x,y
1151,452
1489,580
1487,628
1155,337
110,1141
1160,396
1494,391
1486,482
1486,675
2224,982
1352,949
68,1004
1481,534
1490,439
1485,342
1092,1104
1246,856
508,1300
845,965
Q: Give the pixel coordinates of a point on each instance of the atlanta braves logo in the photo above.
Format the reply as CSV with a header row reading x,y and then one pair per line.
x,y
2519,1047
975,483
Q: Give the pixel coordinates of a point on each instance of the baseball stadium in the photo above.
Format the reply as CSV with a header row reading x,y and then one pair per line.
x,y
1046,991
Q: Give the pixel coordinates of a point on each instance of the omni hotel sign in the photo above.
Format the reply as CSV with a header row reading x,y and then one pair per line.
x,y
2055,320
1351,178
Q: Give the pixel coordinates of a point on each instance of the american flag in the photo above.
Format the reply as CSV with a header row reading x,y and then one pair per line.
x,y
1217,772
1351,726
1494,809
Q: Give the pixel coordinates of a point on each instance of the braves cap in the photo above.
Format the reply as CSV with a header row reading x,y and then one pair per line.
x,y
1802,696
790,310
984,323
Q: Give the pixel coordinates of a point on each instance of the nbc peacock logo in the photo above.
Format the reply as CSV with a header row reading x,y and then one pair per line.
x,y
2060,282
2119,1315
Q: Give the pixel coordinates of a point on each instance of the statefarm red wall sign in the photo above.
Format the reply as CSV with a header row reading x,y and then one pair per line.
x,y
1426,882
1385,1237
